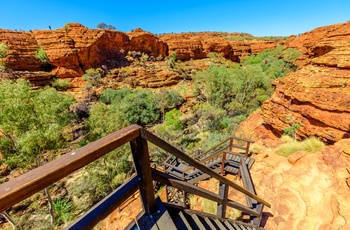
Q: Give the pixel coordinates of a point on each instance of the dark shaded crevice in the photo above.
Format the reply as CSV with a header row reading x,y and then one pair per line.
x,y
321,50
297,102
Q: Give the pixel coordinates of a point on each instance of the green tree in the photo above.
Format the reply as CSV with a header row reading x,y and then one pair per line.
x,y
32,122
112,96
103,25
141,107
103,120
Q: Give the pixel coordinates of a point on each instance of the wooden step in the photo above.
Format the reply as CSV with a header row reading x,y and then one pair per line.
x,y
219,224
229,226
198,222
209,223
181,221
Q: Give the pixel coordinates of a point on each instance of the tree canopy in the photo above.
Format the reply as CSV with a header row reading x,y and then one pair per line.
x,y
103,25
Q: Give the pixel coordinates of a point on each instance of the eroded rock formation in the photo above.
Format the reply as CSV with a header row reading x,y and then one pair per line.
x,y
311,193
75,48
316,96
232,46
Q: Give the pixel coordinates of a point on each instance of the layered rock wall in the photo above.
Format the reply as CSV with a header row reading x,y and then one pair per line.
x,y
75,48
232,46
316,96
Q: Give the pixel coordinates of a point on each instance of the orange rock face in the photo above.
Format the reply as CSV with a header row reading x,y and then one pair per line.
x,y
310,193
316,96
21,50
75,48
232,46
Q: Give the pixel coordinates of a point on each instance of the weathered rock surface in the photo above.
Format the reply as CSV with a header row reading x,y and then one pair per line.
x,y
232,46
75,48
307,191
316,96
312,193
21,50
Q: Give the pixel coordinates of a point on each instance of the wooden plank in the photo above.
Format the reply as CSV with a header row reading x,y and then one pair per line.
x,y
247,183
223,192
243,139
229,226
219,224
208,159
223,161
256,220
198,222
251,162
139,149
238,147
184,221
36,180
204,215
206,152
238,226
106,206
209,223
248,179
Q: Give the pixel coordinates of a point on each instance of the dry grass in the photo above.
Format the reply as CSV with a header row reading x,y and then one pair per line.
x,y
290,146
209,206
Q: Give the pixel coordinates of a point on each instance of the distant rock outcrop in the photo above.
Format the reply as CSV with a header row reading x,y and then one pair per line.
x,y
232,46
75,48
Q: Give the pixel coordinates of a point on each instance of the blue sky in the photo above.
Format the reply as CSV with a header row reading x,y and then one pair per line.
x,y
257,17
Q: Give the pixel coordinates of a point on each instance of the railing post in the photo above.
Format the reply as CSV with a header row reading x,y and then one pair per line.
x,y
184,199
183,192
223,161
247,149
142,164
223,192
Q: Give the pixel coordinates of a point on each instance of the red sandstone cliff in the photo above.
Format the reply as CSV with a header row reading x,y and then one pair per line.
x,y
316,96
75,48
232,46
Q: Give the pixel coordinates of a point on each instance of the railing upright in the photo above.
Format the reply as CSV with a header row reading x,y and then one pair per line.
x,y
142,164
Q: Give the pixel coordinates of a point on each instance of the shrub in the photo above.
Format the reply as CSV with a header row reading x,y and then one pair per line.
x,y
92,77
141,107
32,122
110,96
102,121
169,100
172,118
40,54
61,84
63,211
172,60
3,50
291,130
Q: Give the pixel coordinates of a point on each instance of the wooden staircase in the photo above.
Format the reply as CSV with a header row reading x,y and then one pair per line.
x,y
220,160
184,173
170,217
